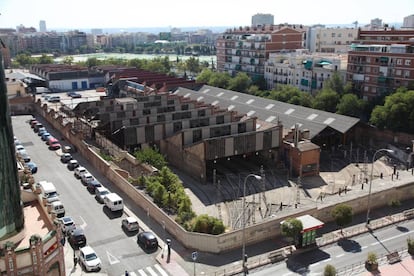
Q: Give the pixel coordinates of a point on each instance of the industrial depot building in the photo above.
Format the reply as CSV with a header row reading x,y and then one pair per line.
x,y
199,129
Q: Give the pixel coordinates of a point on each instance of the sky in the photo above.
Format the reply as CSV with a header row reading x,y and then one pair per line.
x,y
84,14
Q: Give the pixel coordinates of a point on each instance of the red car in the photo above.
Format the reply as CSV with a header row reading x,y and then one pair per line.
x,y
54,144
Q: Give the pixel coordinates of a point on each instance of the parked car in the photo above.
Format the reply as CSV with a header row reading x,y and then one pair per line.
x,y
33,123
77,238
49,138
54,99
86,178
72,164
24,155
100,194
147,240
54,144
31,120
79,171
32,167
74,95
41,131
65,158
45,136
130,224
88,259
67,224
92,185
19,148
37,127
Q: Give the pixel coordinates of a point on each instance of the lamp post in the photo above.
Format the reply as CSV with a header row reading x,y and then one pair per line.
x,y
370,182
244,221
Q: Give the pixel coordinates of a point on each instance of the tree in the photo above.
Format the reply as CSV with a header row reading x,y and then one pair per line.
x,y
329,270
342,214
208,224
152,157
326,99
291,228
204,76
350,105
45,59
335,83
193,65
240,82
219,80
68,60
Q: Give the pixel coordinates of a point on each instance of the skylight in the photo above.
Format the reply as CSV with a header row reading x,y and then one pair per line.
x,y
250,101
312,116
289,111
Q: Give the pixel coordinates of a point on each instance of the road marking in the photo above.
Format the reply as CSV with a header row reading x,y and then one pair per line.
x,y
112,259
364,247
131,273
84,224
340,255
327,260
159,268
141,271
315,264
151,271
290,273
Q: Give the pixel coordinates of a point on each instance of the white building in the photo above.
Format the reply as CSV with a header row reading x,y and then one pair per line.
x,y
330,40
306,71
42,26
262,19
408,21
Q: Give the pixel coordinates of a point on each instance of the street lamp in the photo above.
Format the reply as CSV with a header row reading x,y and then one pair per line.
x,y
244,221
370,181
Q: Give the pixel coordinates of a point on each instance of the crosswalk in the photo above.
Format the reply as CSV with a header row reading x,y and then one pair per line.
x,y
155,270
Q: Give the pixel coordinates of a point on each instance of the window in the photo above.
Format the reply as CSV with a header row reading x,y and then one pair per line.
x,y
399,61
197,135
220,119
333,34
406,73
398,72
407,62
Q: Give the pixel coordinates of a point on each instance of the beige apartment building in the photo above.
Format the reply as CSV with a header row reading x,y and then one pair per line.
x,y
304,70
331,40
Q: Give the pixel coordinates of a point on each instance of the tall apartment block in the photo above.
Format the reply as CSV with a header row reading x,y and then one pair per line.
x,y
331,40
302,69
247,49
261,19
408,21
42,26
380,61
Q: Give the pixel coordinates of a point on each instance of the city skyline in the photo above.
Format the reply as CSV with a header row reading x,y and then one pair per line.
x,y
93,14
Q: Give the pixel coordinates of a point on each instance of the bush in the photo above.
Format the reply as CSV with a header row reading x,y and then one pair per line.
x,y
329,270
410,246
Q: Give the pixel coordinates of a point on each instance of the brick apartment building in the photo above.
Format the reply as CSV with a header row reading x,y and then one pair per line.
x,y
380,61
246,49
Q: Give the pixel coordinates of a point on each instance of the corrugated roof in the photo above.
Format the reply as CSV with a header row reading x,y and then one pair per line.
x,y
270,110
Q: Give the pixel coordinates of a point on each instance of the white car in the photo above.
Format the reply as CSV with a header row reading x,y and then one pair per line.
x,y
88,259
100,194
86,178
79,171
67,224
130,224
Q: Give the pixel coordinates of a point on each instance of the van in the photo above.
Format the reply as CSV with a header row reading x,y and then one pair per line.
x,y
114,202
57,208
48,191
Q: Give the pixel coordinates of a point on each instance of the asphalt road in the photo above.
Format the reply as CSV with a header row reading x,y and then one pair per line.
x,y
117,250
347,255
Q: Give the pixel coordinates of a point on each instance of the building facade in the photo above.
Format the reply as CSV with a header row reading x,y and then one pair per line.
x,y
381,61
303,70
331,40
408,21
247,49
261,19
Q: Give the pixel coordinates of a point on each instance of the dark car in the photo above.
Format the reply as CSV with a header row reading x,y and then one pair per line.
x,y
77,238
65,158
32,167
46,136
72,164
147,240
92,185
74,95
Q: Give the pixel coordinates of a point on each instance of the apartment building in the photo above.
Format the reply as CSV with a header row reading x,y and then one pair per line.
x,y
380,61
261,19
408,21
247,49
331,40
302,69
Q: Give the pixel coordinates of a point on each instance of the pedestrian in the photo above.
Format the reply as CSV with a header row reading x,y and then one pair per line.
x,y
126,273
75,260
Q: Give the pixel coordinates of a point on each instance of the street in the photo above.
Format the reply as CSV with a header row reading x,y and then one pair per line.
x,y
117,250
347,256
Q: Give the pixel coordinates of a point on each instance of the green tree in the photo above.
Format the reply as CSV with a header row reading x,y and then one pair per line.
x,y
397,113
68,60
219,80
158,194
329,270
152,157
291,228
45,59
24,59
204,76
326,99
240,82
208,224
167,177
350,105
92,62
342,213
193,65
335,83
